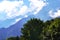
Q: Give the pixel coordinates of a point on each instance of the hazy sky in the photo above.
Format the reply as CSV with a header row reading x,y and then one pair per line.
x,y
11,11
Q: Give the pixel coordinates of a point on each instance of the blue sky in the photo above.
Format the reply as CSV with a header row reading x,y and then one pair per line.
x,y
11,11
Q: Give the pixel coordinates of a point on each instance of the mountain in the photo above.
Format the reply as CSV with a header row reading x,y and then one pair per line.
x,y
13,30
3,33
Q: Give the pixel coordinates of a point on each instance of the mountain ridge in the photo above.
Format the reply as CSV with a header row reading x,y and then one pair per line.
x,y
13,30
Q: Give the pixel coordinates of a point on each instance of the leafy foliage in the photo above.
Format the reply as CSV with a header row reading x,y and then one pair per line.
x,y
13,38
51,32
35,29
32,29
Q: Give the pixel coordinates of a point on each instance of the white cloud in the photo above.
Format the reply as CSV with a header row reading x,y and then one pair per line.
x,y
26,15
54,14
10,8
15,13
18,19
36,5
23,10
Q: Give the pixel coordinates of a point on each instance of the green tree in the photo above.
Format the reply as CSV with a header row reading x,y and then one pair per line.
x,y
32,29
13,38
35,29
51,32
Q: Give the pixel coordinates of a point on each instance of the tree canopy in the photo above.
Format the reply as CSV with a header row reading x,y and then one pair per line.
x,y
36,29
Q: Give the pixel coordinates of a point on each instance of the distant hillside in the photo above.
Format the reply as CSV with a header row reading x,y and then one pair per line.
x,y
13,30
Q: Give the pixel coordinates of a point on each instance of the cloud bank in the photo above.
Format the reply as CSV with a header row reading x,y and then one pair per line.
x,y
17,8
54,14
